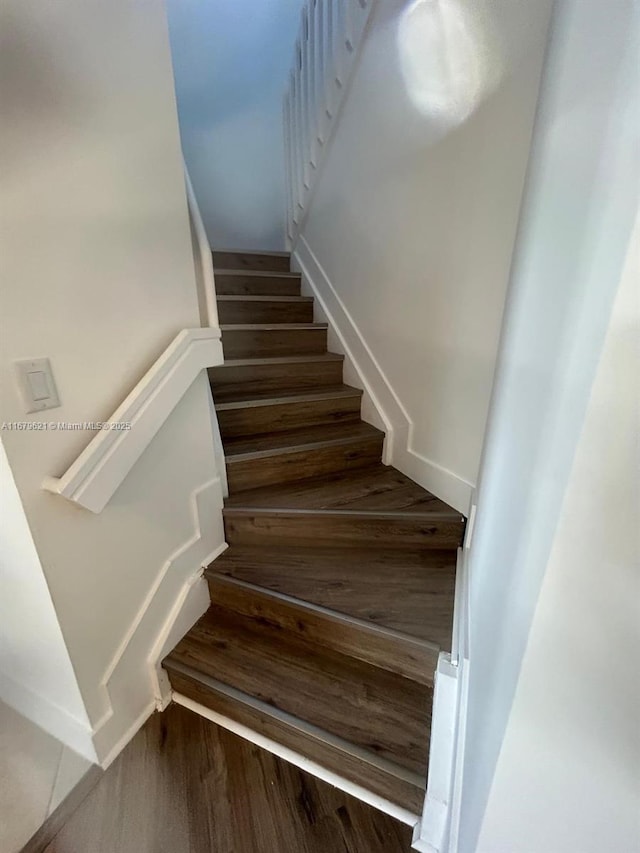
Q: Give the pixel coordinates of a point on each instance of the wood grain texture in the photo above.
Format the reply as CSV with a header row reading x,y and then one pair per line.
x,y
249,282
407,591
266,445
265,309
234,259
337,591
378,488
269,414
392,782
185,785
377,710
285,457
243,377
254,341
320,528
391,650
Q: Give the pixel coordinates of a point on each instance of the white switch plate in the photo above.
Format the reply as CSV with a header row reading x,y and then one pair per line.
x,y
37,385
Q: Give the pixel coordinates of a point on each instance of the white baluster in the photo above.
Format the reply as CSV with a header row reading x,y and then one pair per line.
x,y
298,140
321,70
288,170
327,45
311,84
306,115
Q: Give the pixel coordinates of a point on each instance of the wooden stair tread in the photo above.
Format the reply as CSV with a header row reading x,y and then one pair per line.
x,y
268,398
410,591
281,373
299,439
384,647
264,298
386,779
280,359
379,488
249,327
379,711
256,273
252,260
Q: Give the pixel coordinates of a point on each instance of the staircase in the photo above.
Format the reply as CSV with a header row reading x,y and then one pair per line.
x,y
335,595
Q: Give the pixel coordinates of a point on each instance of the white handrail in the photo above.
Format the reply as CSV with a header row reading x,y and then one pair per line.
x,y
326,50
102,466
202,259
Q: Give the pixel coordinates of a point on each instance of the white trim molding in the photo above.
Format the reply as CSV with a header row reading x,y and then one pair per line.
x,y
381,405
437,830
102,466
132,684
202,259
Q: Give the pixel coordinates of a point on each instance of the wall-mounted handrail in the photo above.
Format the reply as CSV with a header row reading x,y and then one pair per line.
x,y
104,463
202,259
331,32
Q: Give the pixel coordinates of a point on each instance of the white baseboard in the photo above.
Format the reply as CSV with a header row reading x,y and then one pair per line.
x,y
381,406
300,761
432,833
132,685
448,486
57,721
437,830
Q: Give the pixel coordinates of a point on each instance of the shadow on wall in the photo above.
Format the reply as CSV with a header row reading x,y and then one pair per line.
x,y
231,61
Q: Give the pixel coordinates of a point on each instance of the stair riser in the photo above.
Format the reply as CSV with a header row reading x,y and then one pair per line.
x,y
251,261
273,285
386,649
337,760
259,378
256,343
256,420
265,312
317,529
286,467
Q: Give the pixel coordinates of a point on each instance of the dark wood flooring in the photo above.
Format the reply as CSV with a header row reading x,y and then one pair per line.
x,y
185,785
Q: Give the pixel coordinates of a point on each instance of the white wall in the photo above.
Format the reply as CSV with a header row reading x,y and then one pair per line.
x,y
36,674
98,276
567,776
414,213
231,59
578,212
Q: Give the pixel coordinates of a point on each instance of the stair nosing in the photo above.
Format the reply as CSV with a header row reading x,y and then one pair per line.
x,y
352,513
272,327
257,273
281,359
304,727
346,392
335,615
264,298
248,455
225,251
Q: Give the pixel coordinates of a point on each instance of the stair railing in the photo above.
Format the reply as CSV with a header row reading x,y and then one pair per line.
x,y
202,259
105,462
327,46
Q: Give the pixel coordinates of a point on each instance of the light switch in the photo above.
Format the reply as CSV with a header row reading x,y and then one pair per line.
x,y
37,385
